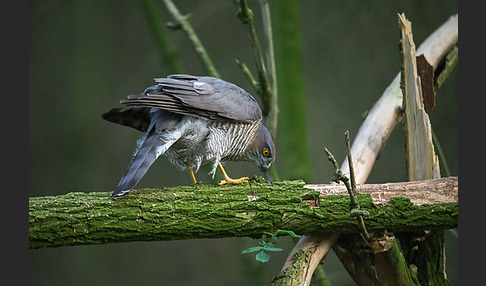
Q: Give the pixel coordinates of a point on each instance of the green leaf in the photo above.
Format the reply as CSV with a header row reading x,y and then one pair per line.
x,y
262,256
252,249
271,243
270,248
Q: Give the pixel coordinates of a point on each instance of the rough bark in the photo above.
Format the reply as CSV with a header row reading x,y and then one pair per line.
x,y
203,211
304,259
380,264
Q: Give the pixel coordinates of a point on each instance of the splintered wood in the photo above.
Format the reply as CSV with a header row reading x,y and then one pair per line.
x,y
422,162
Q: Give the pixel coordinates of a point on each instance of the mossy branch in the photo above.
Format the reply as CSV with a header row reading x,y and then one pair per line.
x,y
207,211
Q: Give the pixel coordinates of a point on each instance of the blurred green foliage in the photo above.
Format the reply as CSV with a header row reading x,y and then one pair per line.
x,y
85,56
293,126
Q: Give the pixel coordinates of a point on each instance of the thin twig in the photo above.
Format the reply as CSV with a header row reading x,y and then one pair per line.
x,y
338,175
270,58
246,71
246,17
198,46
350,162
353,193
351,187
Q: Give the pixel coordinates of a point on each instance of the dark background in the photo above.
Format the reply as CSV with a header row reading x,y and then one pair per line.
x,y
84,56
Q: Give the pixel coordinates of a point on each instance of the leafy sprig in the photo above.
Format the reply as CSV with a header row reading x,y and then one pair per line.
x,y
267,243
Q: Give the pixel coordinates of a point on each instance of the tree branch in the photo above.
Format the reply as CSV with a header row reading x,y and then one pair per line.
x,y
380,121
207,211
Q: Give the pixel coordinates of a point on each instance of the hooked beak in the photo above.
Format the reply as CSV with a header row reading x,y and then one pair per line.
x,y
265,167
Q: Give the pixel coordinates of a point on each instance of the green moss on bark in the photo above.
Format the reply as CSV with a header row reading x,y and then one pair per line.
x,y
207,211
293,275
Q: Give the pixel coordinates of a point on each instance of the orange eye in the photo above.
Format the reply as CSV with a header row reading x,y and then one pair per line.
x,y
266,152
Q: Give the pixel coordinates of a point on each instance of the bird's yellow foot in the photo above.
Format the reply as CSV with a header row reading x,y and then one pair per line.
x,y
228,180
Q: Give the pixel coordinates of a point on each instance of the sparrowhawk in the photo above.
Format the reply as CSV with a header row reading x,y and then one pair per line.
x,y
193,120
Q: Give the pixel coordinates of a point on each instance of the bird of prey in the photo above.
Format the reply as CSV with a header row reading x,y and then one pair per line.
x,y
193,120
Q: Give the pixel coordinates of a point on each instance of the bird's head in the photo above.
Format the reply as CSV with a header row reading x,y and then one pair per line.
x,y
261,149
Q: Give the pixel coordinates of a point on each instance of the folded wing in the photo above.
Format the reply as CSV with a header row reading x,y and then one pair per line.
x,y
204,97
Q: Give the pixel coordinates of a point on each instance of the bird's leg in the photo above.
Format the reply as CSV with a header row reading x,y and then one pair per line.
x,y
193,177
227,180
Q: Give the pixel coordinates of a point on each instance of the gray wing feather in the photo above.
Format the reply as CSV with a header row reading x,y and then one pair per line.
x,y
206,97
143,159
136,117
154,144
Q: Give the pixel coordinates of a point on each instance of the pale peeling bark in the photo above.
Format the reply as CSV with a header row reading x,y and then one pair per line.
x,y
419,192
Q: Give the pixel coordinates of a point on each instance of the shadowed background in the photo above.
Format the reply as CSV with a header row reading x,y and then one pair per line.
x,y
85,56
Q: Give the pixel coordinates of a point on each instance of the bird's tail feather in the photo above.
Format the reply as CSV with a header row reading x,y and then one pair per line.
x,y
149,150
